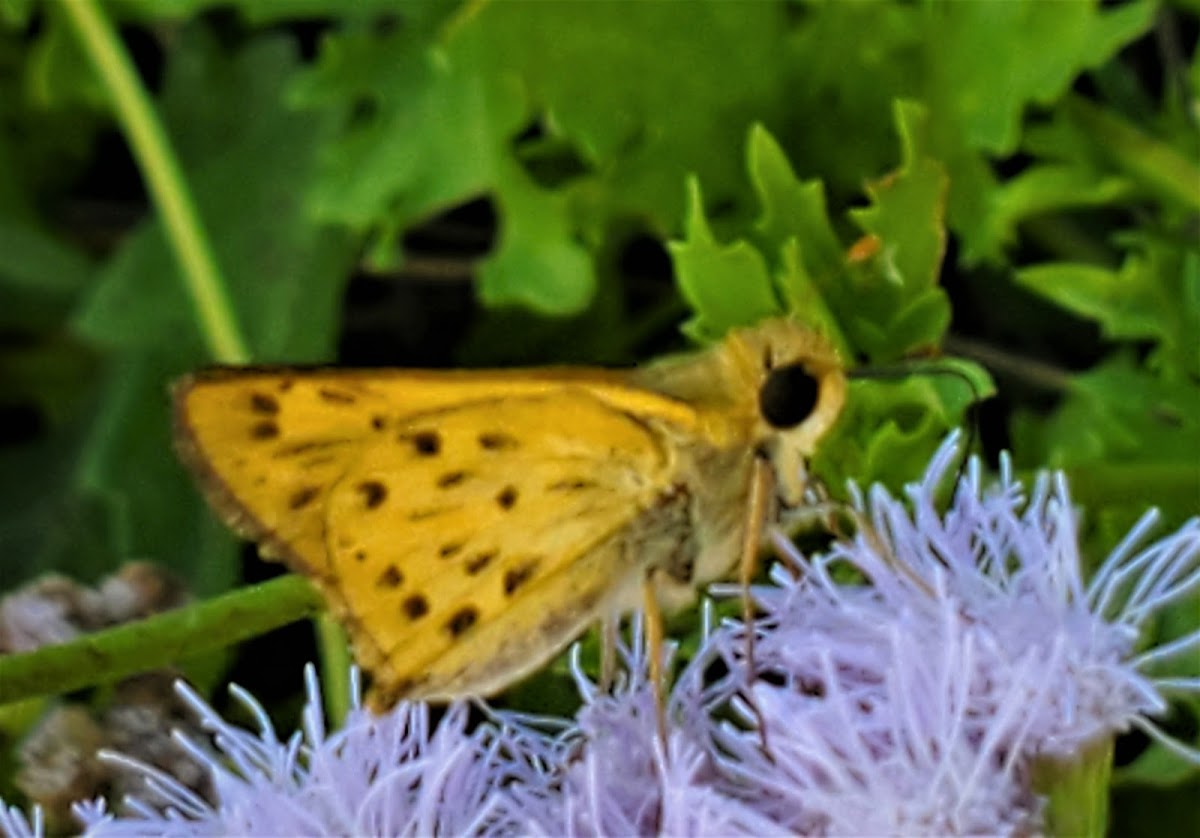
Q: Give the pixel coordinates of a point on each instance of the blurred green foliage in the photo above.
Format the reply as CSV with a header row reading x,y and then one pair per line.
x,y
1021,174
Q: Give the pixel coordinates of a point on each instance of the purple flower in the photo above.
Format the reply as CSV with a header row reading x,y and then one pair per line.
x,y
393,774
919,696
14,824
871,730
610,774
919,699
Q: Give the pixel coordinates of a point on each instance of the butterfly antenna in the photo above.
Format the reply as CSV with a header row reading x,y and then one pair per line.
x,y
892,372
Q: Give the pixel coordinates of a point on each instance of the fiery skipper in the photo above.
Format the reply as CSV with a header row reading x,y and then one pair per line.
x,y
465,526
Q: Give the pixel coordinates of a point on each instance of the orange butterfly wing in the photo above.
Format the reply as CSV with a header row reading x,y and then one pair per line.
x,y
464,526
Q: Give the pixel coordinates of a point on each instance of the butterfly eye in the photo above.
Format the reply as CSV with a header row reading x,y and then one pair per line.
x,y
788,396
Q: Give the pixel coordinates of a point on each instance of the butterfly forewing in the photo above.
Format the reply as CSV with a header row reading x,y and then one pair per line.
x,y
267,449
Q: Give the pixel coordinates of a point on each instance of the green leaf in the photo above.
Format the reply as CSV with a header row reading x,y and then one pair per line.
x,y
884,304
726,285
127,466
1122,301
892,306
1041,190
1105,142
1157,766
59,74
884,308
436,115
1168,172
40,272
40,276
537,260
424,131
285,271
1153,296
644,99
907,208
794,231
34,262
804,298
1127,436
16,13
989,61
259,12
791,208
46,522
842,86
440,135
286,276
977,67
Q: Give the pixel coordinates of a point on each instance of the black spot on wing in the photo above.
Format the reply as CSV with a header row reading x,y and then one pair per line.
x,y
424,443
335,396
303,496
415,606
479,561
497,441
267,429
571,484
516,577
507,497
264,403
390,578
462,620
307,447
374,493
451,479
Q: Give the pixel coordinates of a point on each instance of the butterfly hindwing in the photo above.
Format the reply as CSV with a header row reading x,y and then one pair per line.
x,y
471,542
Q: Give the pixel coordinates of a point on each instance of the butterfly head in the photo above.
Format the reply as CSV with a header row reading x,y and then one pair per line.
x,y
801,388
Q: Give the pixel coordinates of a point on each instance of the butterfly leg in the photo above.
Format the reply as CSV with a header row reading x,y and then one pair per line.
x,y
609,628
761,487
756,514
654,649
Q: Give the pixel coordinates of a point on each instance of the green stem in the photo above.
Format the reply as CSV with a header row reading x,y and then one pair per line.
x,y
164,180
157,641
334,654
1152,162
1076,790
